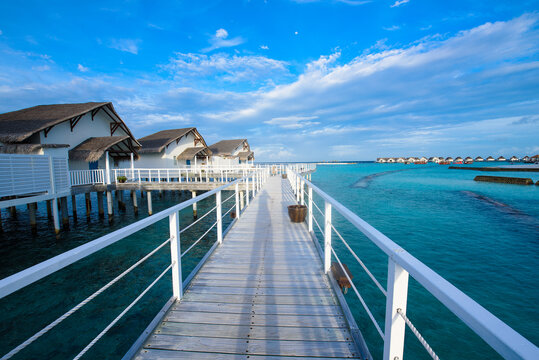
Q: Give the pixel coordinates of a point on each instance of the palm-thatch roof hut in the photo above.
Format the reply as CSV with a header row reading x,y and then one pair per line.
x,y
173,147
56,126
514,159
526,158
479,159
449,158
227,152
490,158
501,158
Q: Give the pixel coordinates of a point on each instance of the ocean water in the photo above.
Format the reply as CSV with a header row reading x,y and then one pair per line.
x,y
483,238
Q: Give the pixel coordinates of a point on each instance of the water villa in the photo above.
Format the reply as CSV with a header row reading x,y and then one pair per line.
x,y
468,160
479,159
173,148
231,152
501,158
490,158
514,159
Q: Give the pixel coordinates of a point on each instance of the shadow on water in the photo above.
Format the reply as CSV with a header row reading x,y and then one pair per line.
x,y
365,181
504,208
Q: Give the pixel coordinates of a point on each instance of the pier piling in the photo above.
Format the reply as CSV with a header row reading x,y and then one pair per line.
x,y
13,211
100,210
74,205
194,195
32,207
55,218
49,209
110,209
120,198
88,204
63,210
134,197
242,201
149,196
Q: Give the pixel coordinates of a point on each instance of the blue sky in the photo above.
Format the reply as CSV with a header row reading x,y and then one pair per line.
x,y
302,80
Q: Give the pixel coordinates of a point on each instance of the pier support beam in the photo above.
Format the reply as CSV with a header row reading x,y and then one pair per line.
x,y
88,205
110,209
194,195
74,206
100,210
63,210
135,204
32,207
13,211
49,209
120,198
55,218
150,210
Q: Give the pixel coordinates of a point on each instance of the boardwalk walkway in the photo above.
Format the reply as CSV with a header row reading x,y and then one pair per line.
x,y
261,295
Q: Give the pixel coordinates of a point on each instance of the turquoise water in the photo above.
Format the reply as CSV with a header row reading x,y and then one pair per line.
x,y
482,237
28,310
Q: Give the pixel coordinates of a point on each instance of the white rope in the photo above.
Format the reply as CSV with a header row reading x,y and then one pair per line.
x,y
202,217
418,335
321,213
81,304
102,333
361,262
318,225
200,238
359,296
230,197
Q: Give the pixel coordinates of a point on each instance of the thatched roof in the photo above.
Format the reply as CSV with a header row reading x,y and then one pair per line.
x,y
191,152
227,147
28,148
246,155
155,143
18,126
92,149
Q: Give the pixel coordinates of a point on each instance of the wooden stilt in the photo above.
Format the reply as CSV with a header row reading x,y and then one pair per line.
x,y
55,217
88,204
194,195
63,210
150,210
74,204
49,209
100,209
135,205
110,209
13,211
32,207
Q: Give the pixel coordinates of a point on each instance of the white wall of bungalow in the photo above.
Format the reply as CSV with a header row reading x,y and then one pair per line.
x,y
232,157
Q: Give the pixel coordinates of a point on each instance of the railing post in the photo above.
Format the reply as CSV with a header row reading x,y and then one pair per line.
x,y
254,186
310,207
247,189
175,255
297,189
219,217
395,326
302,196
107,167
237,190
327,238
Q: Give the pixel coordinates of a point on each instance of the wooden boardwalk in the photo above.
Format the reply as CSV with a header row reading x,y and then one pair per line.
x,y
261,295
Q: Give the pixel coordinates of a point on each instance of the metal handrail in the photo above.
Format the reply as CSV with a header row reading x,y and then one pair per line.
x,y
501,337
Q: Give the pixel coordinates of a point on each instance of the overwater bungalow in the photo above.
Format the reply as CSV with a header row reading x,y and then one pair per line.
x,y
381,160
490,158
526,159
391,160
479,159
231,152
501,158
434,159
401,160
458,160
173,148
514,159
534,158
449,158
423,159
84,132
468,160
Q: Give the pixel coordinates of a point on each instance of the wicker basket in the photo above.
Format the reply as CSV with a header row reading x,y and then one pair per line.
x,y
284,176
297,213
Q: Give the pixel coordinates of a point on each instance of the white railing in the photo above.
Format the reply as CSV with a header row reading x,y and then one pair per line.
x,y
31,174
502,338
253,183
87,177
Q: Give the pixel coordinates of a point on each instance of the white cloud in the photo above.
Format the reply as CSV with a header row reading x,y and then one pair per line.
x,y
82,68
41,68
340,129
220,40
170,119
296,33
392,28
399,3
126,45
221,34
264,47
226,67
293,122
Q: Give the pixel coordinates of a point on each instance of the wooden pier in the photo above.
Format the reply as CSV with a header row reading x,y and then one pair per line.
x,y
262,294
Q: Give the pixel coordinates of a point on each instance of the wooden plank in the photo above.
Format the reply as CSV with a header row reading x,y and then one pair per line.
x,y
257,291
156,354
328,299
256,319
255,347
328,310
254,332
262,284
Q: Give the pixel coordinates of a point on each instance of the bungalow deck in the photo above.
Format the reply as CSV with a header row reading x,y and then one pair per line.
x,y
262,294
